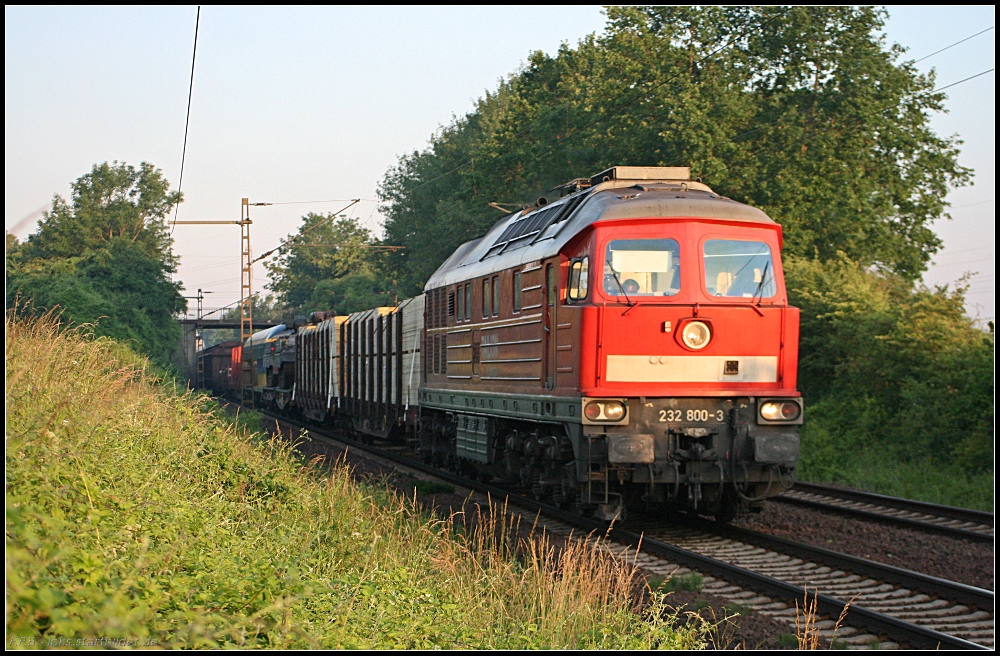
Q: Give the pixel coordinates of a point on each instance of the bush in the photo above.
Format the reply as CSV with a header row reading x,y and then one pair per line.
x,y
898,384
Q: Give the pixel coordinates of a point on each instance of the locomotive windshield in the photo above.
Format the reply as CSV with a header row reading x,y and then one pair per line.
x,y
739,268
642,267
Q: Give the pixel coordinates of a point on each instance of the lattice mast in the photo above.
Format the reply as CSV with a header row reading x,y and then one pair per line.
x,y
246,301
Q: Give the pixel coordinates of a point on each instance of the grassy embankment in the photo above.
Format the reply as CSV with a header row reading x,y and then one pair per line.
x,y
135,513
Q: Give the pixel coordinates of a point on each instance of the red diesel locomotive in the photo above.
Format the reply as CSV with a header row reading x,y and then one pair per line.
x,y
629,343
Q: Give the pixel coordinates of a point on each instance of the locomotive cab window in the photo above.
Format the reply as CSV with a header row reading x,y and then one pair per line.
x,y
739,269
642,267
579,271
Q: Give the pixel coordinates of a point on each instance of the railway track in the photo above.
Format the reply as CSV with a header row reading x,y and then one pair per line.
x,y
973,525
936,605
890,607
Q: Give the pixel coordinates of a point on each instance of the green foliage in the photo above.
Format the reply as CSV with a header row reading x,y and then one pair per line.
x,y
806,113
105,259
898,383
328,265
113,203
692,582
135,513
788,640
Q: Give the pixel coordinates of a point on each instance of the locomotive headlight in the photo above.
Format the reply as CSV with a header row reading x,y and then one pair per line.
x,y
614,410
790,411
611,411
696,335
783,411
771,411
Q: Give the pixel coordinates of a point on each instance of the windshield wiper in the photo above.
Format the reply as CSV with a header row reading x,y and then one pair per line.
x,y
760,287
620,288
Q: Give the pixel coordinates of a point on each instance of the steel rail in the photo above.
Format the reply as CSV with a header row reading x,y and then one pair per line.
x,y
951,512
879,623
914,635
952,590
880,508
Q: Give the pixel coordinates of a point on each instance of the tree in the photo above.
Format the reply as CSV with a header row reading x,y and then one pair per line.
x,y
802,111
114,203
105,259
327,264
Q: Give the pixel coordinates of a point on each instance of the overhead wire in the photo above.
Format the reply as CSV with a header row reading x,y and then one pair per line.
x,y
937,52
331,200
187,118
981,202
332,216
954,84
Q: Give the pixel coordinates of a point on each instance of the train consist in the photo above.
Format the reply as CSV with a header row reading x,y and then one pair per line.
x,y
630,343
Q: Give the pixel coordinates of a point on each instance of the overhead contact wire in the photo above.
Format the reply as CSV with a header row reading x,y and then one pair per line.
x,y
187,119
936,52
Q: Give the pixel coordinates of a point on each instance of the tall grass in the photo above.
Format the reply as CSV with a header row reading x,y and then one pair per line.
x,y
134,513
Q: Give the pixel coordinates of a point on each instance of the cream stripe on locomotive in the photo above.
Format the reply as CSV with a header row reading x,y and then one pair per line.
x,y
692,368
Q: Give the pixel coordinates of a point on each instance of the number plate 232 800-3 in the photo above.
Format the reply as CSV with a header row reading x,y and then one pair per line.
x,y
692,415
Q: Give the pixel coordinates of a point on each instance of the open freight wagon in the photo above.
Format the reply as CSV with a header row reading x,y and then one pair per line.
x,y
365,367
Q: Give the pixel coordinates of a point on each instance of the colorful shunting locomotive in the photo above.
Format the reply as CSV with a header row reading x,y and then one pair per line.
x,y
629,343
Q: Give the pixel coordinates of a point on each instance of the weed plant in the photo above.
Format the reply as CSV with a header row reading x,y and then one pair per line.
x,y
134,513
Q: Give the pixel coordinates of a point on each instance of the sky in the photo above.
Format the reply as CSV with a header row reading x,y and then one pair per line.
x,y
299,104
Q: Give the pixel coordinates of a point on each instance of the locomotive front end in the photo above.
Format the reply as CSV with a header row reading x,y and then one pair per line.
x,y
688,354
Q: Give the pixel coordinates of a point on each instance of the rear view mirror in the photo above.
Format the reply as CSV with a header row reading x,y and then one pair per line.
x,y
579,270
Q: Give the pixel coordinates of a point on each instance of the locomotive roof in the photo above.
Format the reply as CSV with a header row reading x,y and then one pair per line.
x,y
540,232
